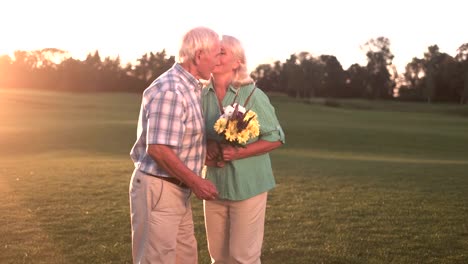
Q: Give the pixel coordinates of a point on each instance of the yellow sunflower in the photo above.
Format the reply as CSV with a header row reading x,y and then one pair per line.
x,y
220,125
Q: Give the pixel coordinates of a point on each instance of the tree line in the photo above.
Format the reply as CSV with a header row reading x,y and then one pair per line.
x,y
55,69
437,77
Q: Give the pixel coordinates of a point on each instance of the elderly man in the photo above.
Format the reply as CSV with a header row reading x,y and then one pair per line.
x,y
169,154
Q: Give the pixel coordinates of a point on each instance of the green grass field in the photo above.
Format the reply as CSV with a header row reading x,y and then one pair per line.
x,y
363,182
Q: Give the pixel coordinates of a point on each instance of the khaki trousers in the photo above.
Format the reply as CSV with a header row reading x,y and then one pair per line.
x,y
162,222
234,229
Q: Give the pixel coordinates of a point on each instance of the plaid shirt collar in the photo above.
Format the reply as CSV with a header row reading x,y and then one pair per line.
x,y
188,76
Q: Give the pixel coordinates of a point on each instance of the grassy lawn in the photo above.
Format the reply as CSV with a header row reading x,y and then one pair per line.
x,y
360,182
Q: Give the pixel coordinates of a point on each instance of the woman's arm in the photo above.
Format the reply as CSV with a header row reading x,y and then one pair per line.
x,y
254,149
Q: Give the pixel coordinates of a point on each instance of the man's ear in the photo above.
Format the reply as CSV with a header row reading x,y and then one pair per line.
x,y
197,58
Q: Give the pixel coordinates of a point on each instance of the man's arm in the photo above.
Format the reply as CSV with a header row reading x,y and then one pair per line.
x,y
165,157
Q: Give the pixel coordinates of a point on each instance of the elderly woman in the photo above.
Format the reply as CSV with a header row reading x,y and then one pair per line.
x,y
243,175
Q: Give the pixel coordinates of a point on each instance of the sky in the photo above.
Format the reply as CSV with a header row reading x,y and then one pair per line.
x,y
269,30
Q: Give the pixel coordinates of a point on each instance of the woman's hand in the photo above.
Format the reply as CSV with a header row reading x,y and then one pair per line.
x,y
213,154
229,152
212,149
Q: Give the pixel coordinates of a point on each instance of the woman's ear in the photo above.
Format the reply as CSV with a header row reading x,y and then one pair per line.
x,y
236,65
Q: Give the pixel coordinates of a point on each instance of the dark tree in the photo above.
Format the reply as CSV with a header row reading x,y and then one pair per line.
x,y
379,60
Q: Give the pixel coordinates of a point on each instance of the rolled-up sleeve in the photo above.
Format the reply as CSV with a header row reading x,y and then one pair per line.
x,y
270,128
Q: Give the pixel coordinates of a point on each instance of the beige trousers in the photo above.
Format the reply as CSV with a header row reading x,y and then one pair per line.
x,y
162,222
234,229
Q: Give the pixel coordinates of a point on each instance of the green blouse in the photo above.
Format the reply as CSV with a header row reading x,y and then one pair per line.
x,y
244,178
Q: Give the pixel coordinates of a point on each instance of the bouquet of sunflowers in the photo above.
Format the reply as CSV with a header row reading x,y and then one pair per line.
x,y
237,124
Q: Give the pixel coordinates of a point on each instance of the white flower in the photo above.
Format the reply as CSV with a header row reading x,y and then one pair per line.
x,y
228,110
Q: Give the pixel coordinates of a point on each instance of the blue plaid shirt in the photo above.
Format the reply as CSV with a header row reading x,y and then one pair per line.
x,y
171,115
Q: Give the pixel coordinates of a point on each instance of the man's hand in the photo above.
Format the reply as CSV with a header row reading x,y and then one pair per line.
x,y
205,190
166,158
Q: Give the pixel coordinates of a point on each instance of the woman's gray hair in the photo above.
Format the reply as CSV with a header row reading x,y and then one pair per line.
x,y
241,76
199,38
